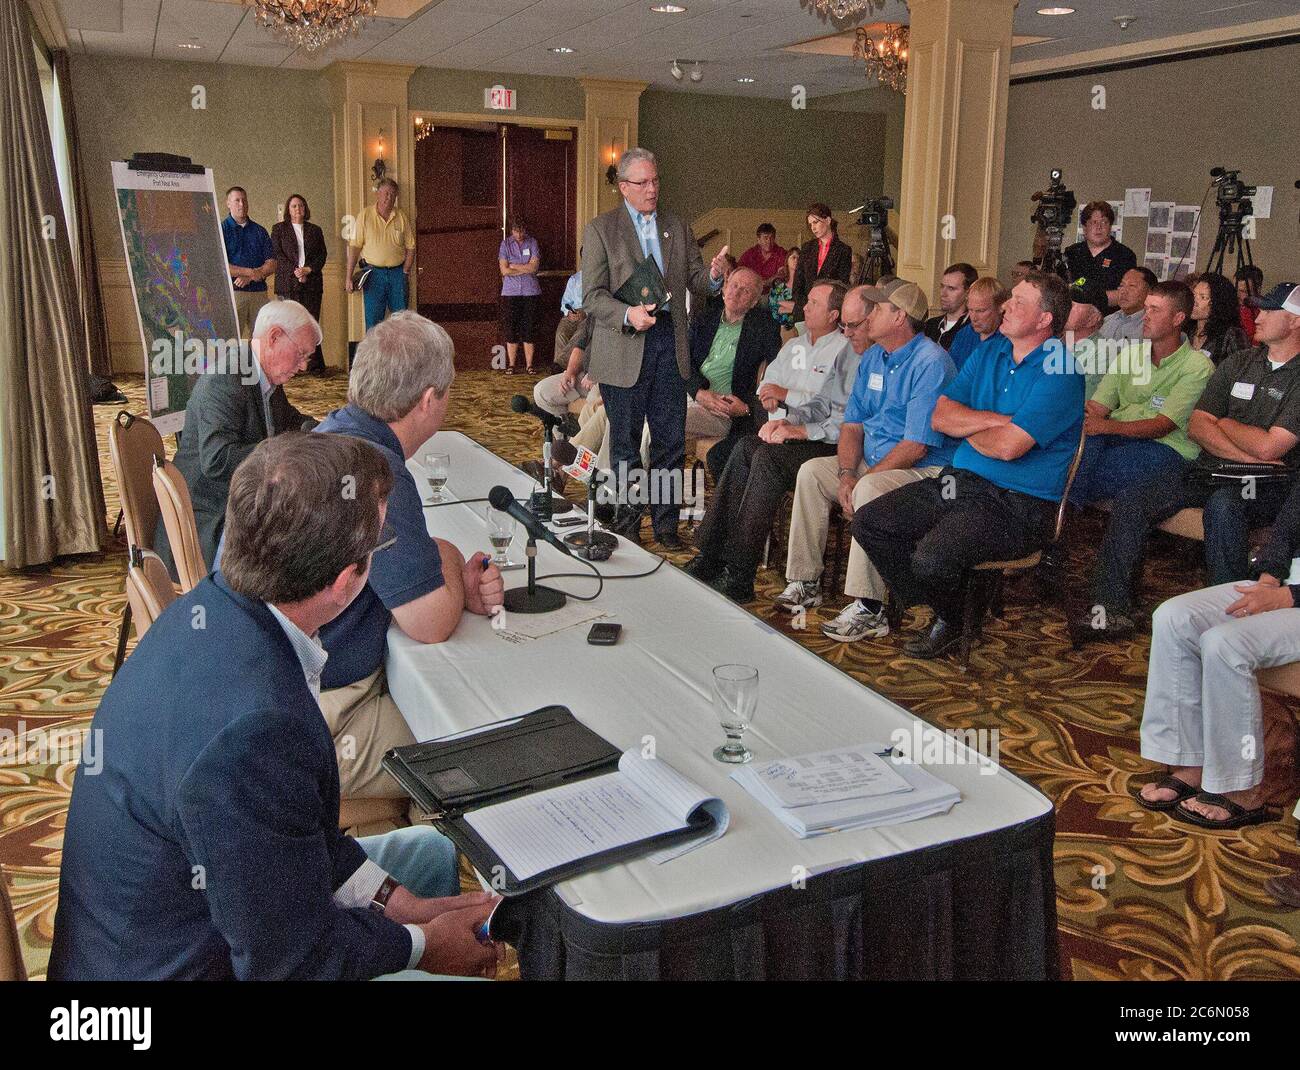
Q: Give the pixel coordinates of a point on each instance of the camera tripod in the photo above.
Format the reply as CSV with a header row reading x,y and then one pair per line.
x,y
877,261
1231,239
1053,260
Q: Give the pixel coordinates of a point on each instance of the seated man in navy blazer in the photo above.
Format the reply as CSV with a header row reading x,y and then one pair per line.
x,y
207,844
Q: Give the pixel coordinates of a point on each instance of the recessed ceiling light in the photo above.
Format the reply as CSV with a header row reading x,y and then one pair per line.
x,y
668,9
187,45
745,81
562,50
1056,11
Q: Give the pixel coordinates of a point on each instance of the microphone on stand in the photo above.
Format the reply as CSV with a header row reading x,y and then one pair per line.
x,y
532,598
580,463
545,504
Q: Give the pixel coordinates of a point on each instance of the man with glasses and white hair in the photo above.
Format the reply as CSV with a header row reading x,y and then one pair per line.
x,y
231,410
639,353
397,398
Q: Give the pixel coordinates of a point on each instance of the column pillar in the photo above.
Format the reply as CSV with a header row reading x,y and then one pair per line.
x,y
954,137
365,100
610,122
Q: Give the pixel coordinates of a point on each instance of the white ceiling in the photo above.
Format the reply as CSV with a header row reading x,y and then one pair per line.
x,y
616,38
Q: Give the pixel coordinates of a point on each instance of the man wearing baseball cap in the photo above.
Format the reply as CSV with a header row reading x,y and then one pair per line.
x,y
1019,424
1248,414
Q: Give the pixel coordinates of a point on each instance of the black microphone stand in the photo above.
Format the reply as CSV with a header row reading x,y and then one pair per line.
x,y
591,545
543,504
533,598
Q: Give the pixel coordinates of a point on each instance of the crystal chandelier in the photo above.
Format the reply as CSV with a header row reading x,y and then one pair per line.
x,y
839,10
885,56
313,24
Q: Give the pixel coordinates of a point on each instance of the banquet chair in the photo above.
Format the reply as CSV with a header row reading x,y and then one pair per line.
x,y
11,956
992,575
149,589
133,444
178,519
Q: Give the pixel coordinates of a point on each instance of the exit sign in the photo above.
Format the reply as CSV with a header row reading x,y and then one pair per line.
x,y
499,98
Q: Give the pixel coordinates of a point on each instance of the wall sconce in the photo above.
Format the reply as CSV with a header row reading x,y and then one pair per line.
x,y
379,169
611,173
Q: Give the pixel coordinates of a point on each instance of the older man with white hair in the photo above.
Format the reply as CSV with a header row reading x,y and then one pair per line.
x,y
231,410
397,398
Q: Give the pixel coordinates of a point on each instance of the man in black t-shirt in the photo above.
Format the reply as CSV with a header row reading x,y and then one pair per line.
x,y
1249,413
1097,264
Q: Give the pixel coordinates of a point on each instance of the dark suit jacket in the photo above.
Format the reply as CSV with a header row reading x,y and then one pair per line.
x,y
610,251
224,422
285,244
935,332
207,845
759,342
838,264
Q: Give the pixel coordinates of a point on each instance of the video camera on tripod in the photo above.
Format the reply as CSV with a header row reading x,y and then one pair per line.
x,y
875,217
1054,210
1232,195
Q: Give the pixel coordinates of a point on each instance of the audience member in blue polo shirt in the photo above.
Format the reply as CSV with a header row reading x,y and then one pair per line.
x,y
998,498
397,397
886,442
984,301
250,256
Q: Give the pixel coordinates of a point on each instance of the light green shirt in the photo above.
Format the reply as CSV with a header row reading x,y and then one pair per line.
x,y
1170,389
721,361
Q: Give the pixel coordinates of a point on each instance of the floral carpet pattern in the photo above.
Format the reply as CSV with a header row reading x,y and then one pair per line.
x,y
1140,896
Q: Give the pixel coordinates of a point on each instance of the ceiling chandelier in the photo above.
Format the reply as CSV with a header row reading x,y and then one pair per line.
x,y
885,56
842,9
313,24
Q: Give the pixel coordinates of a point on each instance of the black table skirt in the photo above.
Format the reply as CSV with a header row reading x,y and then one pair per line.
x,y
982,908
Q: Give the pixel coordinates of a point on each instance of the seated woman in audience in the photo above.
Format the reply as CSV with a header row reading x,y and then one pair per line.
x,y
1203,716
780,299
1215,326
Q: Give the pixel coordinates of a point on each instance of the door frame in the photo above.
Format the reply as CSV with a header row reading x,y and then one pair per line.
x,y
452,118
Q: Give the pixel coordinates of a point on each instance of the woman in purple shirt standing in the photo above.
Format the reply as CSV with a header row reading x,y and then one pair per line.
x,y
518,259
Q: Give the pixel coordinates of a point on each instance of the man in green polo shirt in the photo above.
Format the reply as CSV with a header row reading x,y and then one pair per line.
x,y
1136,420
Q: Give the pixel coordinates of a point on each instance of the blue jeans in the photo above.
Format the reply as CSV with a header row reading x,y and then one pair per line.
x,y
1112,464
419,858
385,292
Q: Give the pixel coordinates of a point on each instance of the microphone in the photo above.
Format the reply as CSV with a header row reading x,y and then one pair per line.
x,y
580,463
524,407
500,498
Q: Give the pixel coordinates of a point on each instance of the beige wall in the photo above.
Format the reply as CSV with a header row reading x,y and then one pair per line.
x,y
264,129
1237,107
433,89
717,151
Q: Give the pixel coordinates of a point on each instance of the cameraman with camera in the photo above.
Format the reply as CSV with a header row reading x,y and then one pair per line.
x,y
1099,260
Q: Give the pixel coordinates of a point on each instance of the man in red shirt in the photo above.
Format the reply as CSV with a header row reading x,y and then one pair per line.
x,y
766,258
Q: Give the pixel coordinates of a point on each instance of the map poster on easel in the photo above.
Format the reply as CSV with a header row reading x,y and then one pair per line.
x,y
176,259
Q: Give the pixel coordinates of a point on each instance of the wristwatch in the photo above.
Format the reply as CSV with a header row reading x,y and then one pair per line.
x,y
842,472
380,900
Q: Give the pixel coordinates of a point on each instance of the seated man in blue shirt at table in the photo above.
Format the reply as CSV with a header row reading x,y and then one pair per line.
x,y
998,498
886,442
204,842
397,397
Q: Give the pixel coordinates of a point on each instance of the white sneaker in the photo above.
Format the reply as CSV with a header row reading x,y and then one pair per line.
x,y
801,594
856,622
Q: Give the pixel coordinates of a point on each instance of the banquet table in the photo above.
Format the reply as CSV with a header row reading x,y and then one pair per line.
x,y
968,894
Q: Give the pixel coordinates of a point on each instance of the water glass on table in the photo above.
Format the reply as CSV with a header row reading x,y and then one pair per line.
x,y
501,531
437,470
735,694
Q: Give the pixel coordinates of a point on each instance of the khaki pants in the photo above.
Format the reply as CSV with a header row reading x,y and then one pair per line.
x,y
365,724
816,490
595,430
700,423
247,305
548,394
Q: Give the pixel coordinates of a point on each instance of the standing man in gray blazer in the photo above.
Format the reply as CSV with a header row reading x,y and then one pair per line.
x,y
638,353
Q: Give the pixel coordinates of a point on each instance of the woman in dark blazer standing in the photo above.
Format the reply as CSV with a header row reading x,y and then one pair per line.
x,y
823,256
300,255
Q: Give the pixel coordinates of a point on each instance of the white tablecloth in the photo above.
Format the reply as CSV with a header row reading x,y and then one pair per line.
x,y
657,682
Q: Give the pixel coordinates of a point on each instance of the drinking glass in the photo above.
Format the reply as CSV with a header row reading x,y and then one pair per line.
x,y
437,469
735,693
501,530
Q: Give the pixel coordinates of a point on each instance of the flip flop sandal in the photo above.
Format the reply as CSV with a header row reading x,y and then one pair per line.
x,y
1170,782
1237,816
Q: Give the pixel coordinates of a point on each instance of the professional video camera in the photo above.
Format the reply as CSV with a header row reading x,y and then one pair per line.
x,y
875,216
1232,195
1055,209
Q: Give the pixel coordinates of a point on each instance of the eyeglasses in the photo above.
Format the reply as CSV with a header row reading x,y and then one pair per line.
x,y
846,326
644,182
387,537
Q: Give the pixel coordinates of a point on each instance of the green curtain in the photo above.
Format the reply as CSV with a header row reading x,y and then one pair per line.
x,y
52,498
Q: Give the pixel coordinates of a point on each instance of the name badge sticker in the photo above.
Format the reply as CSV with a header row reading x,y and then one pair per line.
x,y
875,381
1245,391
1157,402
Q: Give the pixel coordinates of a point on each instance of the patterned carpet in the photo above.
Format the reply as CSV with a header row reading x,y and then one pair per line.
x,y
1139,895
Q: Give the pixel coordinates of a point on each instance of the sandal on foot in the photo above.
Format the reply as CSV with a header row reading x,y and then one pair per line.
x,y
1237,817
1171,783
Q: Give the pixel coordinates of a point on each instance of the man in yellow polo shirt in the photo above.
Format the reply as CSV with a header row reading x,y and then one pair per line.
x,y
1136,420
384,238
